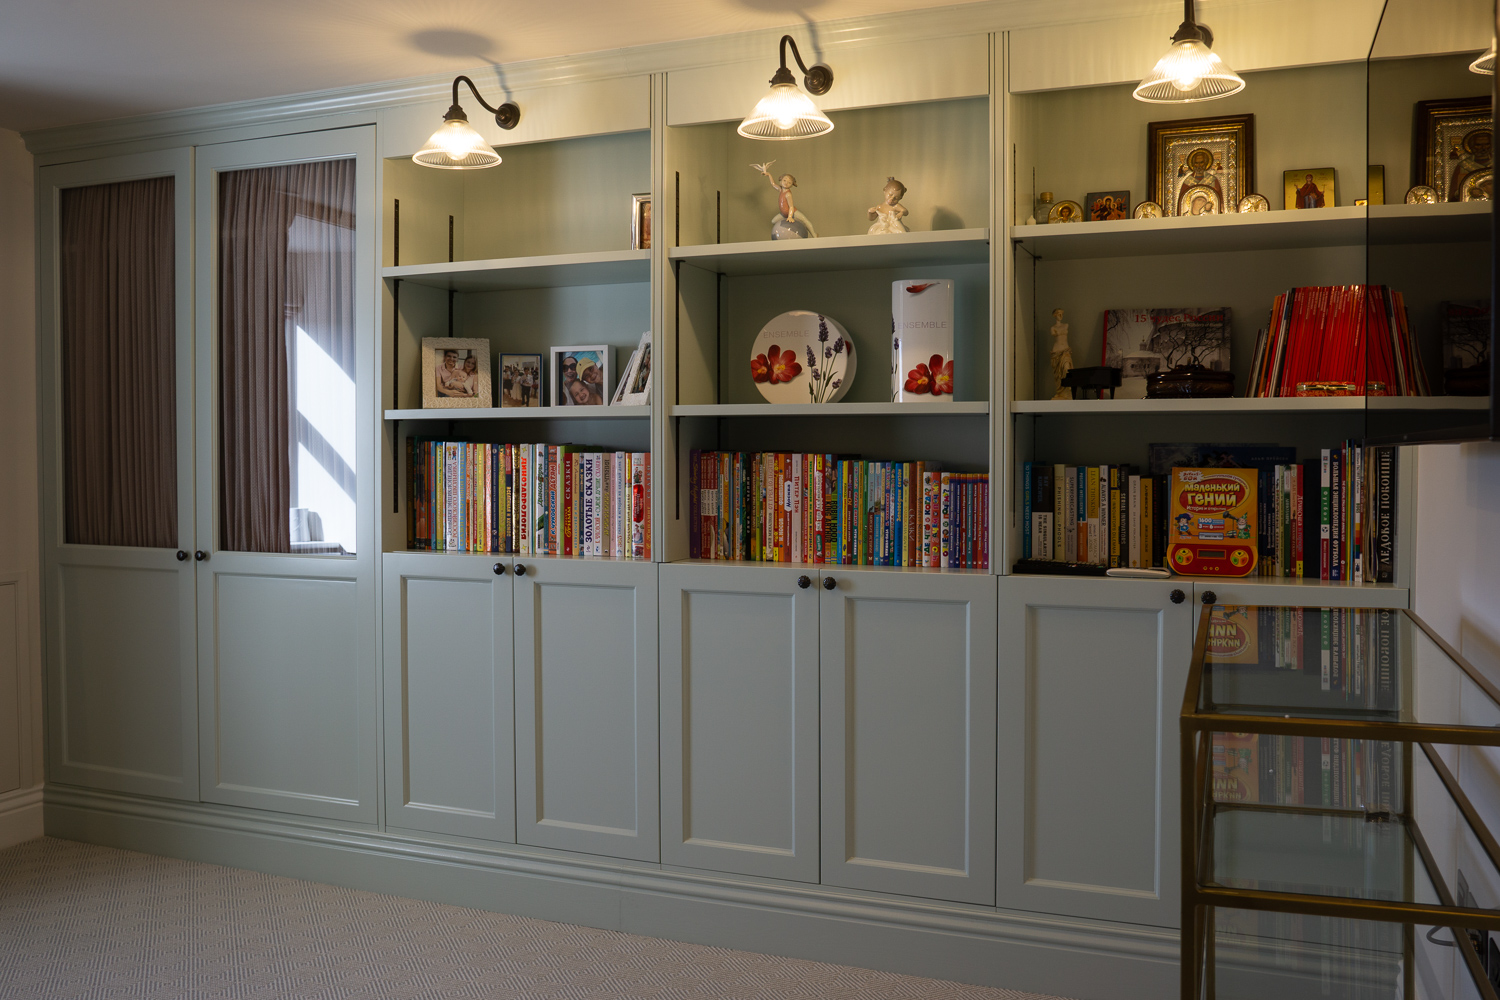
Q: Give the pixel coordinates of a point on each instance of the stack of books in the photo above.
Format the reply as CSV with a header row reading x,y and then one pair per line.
x,y
815,508
527,499
1345,335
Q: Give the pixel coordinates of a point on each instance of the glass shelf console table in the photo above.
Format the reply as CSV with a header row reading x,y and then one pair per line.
x,y
1329,849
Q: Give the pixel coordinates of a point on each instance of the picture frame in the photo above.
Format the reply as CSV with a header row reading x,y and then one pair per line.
x,y
1375,184
522,380
640,221
1200,166
1106,206
589,366
1309,187
635,379
1452,148
463,384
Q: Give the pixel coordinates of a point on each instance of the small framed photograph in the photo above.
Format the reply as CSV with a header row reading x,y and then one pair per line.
x,y
1200,166
455,373
640,221
635,380
1375,184
581,376
1106,206
1309,188
1453,148
521,380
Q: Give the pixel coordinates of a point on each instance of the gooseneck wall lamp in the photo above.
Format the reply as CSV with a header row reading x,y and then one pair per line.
x,y
786,112
1190,71
455,145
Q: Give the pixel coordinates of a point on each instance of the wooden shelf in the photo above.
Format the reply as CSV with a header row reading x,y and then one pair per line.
x,y
1326,227
1196,234
527,413
608,267
830,410
1317,404
840,253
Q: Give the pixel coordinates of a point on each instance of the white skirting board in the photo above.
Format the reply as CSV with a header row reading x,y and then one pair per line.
x,y
20,816
1089,960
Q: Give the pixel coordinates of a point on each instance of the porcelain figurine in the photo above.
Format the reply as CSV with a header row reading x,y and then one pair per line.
x,y
1062,355
789,224
886,217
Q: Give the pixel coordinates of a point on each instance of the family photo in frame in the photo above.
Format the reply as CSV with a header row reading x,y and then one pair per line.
x,y
581,376
521,380
455,373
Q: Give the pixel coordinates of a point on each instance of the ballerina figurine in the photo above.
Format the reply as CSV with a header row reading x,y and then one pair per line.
x,y
886,217
790,224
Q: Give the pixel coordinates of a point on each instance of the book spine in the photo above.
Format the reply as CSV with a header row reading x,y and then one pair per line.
x,y
1336,514
1133,502
451,506
1026,524
945,490
1325,515
1385,514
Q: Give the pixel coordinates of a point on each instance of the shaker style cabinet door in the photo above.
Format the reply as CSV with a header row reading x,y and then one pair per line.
x,y
449,695
115,270
908,735
586,701
288,677
739,720
1092,674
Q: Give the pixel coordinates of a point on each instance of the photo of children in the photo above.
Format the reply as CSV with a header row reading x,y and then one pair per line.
x,y
455,373
580,376
521,380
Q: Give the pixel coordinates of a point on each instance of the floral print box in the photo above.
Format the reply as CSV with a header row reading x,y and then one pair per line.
x,y
802,357
922,340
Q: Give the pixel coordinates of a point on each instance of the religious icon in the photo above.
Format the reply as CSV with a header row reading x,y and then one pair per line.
x,y
788,224
1147,210
1201,166
886,217
1421,195
1065,211
1309,188
1107,206
1453,148
1254,203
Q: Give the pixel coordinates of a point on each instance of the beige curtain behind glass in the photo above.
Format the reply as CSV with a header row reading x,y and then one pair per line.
x,y
265,287
117,302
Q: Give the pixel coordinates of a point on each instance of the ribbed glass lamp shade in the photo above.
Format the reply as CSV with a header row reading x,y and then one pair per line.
x,y
1190,71
785,113
1486,63
456,146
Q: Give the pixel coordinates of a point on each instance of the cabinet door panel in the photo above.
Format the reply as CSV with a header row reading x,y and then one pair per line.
x,y
739,721
1091,680
450,727
908,674
586,707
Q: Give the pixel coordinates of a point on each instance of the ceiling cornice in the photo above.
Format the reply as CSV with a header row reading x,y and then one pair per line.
x,y
937,22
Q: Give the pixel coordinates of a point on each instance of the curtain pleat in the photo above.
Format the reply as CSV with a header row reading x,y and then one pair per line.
x,y
267,281
117,315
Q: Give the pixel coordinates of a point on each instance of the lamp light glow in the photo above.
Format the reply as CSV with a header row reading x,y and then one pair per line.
x,y
1191,70
786,112
456,145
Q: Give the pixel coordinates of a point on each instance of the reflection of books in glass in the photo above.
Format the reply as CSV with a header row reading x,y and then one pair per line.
x,y
1236,767
1466,334
1142,341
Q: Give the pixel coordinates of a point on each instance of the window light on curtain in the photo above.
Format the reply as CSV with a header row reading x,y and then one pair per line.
x,y
118,363
287,358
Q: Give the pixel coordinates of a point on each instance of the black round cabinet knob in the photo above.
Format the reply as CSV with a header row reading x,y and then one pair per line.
x,y
181,556
499,569
1177,596
1209,597
520,570
829,583
803,582
200,555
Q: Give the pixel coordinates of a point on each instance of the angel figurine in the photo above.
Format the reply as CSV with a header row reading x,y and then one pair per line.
x,y
790,224
886,217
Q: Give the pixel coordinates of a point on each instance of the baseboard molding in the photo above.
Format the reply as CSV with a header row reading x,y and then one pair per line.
x,y
20,816
1089,960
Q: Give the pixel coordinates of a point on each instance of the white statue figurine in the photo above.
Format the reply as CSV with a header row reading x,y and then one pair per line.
x,y
886,217
790,224
1062,354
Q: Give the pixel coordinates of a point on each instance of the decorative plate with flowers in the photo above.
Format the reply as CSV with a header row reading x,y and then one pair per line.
x,y
802,357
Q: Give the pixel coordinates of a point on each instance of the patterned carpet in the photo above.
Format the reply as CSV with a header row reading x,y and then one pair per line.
x,y
78,920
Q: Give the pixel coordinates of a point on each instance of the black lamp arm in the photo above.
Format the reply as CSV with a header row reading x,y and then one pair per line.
x,y
1190,29
818,79
507,115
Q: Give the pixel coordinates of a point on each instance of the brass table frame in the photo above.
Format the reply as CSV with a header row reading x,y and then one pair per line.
x,y
1198,809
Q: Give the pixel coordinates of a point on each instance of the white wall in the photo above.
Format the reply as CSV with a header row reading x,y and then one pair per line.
x,y
1457,588
20,628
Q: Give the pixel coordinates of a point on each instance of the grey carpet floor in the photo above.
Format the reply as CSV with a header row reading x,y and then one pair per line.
x,y
80,921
